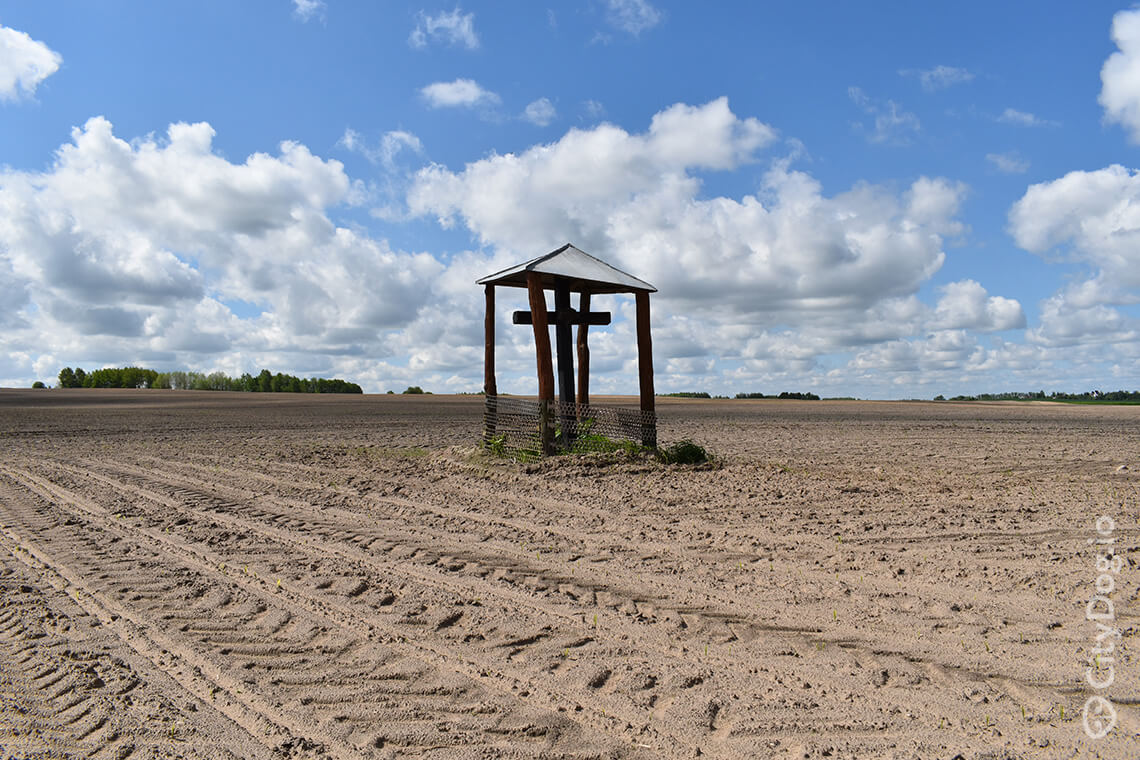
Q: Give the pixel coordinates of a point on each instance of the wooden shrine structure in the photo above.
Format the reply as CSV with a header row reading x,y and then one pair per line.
x,y
565,271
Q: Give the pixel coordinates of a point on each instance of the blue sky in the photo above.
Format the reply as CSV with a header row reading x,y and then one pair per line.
x,y
879,200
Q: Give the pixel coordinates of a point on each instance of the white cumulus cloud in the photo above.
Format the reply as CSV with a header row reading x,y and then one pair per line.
x,y
947,351
940,77
789,264
632,16
967,305
395,141
1066,322
1095,213
540,112
134,249
584,171
1023,119
460,93
1094,216
451,27
1120,75
391,144
1008,163
306,10
891,124
593,109
24,63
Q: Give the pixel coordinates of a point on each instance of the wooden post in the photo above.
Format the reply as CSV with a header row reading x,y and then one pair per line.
x,y
489,350
490,392
545,363
562,340
541,336
645,368
583,352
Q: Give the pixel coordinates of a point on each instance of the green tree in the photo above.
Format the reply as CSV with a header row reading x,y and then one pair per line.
x,y
217,381
108,377
38,384
178,380
67,378
136,377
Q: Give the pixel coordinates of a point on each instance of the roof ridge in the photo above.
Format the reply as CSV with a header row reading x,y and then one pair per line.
x,y
590,269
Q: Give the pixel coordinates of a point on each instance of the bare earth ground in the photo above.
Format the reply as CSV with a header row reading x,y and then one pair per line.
x,y
274,576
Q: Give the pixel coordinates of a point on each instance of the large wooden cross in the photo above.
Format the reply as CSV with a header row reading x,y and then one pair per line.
x,y
563,318
585,275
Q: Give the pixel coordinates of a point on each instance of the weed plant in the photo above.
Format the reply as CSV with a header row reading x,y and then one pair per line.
x,y
683,452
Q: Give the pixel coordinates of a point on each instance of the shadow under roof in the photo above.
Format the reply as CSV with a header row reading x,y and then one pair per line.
x,y
585,273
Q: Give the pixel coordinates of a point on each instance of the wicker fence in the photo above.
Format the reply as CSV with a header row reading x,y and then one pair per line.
x,y
529,429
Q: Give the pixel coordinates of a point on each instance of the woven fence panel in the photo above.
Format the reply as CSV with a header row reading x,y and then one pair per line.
x,y
515,427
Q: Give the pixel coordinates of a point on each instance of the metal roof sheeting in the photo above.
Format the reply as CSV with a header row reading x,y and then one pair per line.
x,y
586,273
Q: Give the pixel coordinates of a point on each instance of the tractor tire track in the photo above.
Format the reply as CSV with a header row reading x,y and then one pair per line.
x,y
238,625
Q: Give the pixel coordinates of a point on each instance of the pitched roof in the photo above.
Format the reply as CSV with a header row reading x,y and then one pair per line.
x,y
586,273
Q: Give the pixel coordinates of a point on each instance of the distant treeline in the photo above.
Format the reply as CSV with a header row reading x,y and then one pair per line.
x,y
785,394
1088,397
138,377
704,394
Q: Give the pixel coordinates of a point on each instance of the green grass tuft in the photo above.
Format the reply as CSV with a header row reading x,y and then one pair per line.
x,y
684,452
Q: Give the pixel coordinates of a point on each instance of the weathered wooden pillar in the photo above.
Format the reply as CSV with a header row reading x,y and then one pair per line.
x,y
584,351
645,370
490,391
545,362
489,387
564,343
563,340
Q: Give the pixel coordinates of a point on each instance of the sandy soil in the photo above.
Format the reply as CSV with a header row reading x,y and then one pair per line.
x,y
211,575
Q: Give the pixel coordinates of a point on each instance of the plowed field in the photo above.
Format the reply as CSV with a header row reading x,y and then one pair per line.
x,y
281,576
